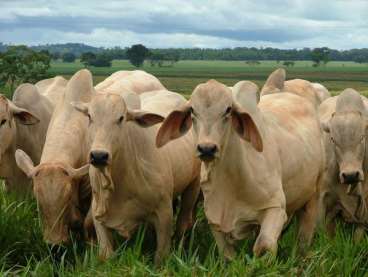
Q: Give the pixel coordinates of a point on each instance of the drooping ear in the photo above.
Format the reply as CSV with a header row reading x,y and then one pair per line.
x,y
22,115
77,173
80,107
143,118
25,163
275,82
176,124
246,128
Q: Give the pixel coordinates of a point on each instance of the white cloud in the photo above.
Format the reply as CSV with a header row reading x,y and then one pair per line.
x,y
176,23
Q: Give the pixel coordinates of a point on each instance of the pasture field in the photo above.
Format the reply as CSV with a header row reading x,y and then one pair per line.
x,y
23,252
185,75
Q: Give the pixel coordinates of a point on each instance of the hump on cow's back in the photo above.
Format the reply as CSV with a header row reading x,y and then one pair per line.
x,y
350,101
79,87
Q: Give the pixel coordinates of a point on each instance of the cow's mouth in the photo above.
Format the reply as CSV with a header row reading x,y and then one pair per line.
x,y
206,158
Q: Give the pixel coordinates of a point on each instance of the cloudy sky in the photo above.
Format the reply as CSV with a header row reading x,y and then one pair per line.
x,y
341,24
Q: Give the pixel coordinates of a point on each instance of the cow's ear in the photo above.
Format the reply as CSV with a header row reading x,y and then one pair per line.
x,y
176,124
246,128
77,173
143,118
25,163
80,107
22,115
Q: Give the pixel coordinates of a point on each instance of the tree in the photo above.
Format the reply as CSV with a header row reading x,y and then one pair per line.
x,y
137,54
68,57
21,64
55,56
319,55
99,60
87,58
288,63
360,59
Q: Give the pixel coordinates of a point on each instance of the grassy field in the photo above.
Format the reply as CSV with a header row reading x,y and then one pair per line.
x,y
185,75
23,253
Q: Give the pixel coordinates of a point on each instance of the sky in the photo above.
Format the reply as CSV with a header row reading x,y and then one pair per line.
x,y
338,24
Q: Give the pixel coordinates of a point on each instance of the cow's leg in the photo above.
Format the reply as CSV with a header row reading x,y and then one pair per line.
x,y
89,228
358,233
224,247
308,218
163,223
105,241
272,223
188,202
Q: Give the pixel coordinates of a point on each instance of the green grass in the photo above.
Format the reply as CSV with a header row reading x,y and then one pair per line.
x,y
185,75
23,253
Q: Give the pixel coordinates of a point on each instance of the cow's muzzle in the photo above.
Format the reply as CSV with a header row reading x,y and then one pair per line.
x,y
99,158
351,177
207,151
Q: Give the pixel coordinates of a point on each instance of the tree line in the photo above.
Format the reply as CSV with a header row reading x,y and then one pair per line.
x,y
166,55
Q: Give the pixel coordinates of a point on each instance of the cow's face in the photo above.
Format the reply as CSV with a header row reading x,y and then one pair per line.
x,y
9,112
108,116
347,132
54,186
213,114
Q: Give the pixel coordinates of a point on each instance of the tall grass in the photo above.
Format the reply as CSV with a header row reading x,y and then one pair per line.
x,y
23,253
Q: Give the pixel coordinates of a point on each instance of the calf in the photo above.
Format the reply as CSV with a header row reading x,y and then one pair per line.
x,y
260,164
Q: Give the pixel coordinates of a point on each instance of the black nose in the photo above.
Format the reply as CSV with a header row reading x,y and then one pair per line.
x,y
99,158
207,151
350,177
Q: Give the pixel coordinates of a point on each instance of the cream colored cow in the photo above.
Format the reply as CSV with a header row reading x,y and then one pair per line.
x,y
133,181
60,181
23,124
137,81
260,163
344,120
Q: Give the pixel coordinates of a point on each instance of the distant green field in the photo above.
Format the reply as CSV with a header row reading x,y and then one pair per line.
x,y
185,75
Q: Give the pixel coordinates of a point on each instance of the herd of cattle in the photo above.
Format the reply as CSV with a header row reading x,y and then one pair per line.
x,y
113,156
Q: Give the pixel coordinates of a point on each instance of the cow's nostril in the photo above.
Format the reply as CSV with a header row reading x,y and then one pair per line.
x,y
99,157
207,150
350,177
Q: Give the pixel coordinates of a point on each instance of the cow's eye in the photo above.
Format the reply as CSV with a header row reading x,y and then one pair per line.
x,y
2,122
121,118
228,110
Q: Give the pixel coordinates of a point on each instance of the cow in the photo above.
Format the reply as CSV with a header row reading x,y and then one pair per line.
x,y
133,181
23,124
314,92
322,92
344,121
260,163
137,81
60,181
52,88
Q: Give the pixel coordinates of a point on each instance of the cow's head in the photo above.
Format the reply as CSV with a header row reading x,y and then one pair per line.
x,y
347,131
108,116
9,113
213,114
56,191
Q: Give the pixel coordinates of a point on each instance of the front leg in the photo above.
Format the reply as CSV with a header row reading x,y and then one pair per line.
x,y
163,223
224,247
272,223
358,233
